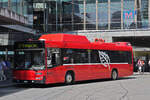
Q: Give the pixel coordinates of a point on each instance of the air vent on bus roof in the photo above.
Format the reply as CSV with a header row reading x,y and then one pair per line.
x,y
99,40
123,43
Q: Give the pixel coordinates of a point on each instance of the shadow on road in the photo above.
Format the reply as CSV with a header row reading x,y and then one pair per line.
x,y
21,87
10,90
76,83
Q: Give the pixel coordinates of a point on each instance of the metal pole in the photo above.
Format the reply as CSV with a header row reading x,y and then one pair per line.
x,y
109,19
56,16
6,55
72,15
96,14
46,10
45,16
139,23
135,9
122,14
84,4
21,7
9,4
148,13
44,20
60,15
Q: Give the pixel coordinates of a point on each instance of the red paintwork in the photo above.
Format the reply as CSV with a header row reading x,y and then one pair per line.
x,y
82,72
27,74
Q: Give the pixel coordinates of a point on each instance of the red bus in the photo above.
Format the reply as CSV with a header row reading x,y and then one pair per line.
x,y
66,58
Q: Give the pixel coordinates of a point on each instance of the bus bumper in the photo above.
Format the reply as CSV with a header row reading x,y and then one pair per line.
x,y
29,81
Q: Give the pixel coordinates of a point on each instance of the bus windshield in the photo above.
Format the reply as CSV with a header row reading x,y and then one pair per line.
x,y
30,59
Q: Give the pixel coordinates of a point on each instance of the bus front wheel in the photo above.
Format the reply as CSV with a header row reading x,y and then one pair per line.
x,y
69,78
114,75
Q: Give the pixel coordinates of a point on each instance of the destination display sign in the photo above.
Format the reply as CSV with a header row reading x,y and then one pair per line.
x,y
29,45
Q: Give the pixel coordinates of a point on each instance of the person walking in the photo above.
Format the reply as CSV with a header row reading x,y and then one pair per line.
x,y
149,65
1,72
7,71
139,64
2,67
143,66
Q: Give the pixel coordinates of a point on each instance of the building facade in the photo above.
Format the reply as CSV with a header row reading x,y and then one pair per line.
x,y
16,21
72,15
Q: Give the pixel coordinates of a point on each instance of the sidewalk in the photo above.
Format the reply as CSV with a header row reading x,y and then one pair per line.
x,y
145,73
6,83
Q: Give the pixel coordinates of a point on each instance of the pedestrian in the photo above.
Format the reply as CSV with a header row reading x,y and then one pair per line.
x,y
149,65
1,72
7,71
139,64
143,66
2,67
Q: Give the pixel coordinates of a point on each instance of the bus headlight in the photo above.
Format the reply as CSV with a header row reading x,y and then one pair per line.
x,y
39,78
38,73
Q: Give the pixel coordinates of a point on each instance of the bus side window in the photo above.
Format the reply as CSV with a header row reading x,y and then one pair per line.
x,y
68,56
95,56
49,58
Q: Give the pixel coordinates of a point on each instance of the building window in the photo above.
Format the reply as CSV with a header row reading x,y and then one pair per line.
x,y
129,14
102,14
90,14
19,7
144,13
5,3
25,7
78,14
115,14
94,56
67,15
1,3
14,5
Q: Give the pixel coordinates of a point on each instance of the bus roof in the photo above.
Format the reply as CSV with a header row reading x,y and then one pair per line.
x,y
60,40
64,38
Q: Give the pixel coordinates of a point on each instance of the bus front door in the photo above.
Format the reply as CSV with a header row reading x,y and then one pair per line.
x,y
53,65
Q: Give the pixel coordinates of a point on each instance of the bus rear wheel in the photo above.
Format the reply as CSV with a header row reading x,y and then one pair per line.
x,y
114,75
69,79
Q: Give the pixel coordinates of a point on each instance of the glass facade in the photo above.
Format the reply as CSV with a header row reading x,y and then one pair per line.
x,y
90,9
70,15
144,13
4,3
17,6
102,14
129,14
115,14
20,7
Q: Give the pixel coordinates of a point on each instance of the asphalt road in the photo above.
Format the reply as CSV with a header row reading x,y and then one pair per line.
x,y
136,87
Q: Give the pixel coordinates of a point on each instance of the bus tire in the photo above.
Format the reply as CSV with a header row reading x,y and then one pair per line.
x,y
114,74
69,78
